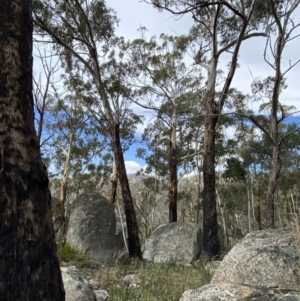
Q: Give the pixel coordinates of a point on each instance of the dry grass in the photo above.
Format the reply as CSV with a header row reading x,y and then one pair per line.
x,y
158,282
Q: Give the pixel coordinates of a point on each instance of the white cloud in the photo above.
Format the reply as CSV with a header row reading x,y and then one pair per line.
x,y
132,167
142,14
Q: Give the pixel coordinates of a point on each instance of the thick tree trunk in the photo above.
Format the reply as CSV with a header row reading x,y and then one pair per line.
x,y
29,265
273,178
173,184
132,228
211,243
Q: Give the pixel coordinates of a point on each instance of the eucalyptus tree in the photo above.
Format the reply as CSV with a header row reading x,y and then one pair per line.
x,y
255,153
82,33
220,27
171,90
76,140
157,156
28,255
282,30
116,78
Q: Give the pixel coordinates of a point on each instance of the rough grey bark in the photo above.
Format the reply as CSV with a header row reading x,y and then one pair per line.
x,y
211,243
272,184
29,265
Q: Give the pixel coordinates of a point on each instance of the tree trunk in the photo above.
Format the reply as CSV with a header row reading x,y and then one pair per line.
x,y
114,184
173,184
132,228
275,172
249,210
64,182
40,127
222,211
211,243
274,176
29,265
63,193
257,213
253,208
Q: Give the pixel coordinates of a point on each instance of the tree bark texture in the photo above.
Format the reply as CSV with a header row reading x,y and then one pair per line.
x,y
114,184
173,184
132,228
29,265
273,179
282,38
211,243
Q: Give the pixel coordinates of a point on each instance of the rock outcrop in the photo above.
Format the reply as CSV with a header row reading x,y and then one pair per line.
x,y
174,242
92,227
75,287
266,259
101,295
264,266
234,292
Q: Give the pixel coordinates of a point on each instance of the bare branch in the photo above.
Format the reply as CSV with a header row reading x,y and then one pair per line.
x,y
245,37
289,134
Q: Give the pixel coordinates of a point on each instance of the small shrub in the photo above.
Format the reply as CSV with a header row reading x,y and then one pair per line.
x,y
67,253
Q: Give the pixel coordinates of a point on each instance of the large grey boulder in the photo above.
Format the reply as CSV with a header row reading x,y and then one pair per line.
x,y
235,292
267,258
264,266
175,242
92,227
76,288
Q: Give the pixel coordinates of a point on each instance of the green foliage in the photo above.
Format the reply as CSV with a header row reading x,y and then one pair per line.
x,y
172,91
234,196
152,184
234,170
67,253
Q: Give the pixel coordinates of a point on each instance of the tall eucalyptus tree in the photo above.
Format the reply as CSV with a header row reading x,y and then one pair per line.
x,y
220,27
28,256
171,90
82,33
283,29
